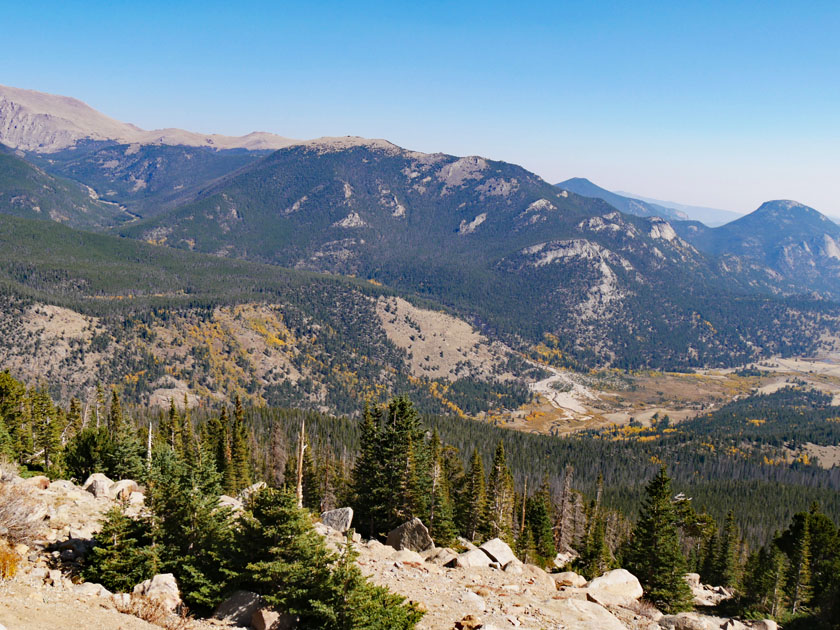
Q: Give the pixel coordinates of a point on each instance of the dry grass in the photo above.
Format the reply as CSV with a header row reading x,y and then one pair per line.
x,y
20,514
9,560
8,470
155,613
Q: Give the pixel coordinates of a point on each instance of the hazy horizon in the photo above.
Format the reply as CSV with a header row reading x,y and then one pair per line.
x,y
713,105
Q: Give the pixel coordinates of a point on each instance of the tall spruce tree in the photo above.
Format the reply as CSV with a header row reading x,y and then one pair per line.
x,y
475,504
500,498
726,565
655,557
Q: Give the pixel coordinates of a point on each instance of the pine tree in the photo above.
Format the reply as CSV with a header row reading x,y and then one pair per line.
x,y
124,555
240,456
401,445
441,524
366,483
476,499
74,417
500,497
726,563
538,519
655,557
115,415
799,577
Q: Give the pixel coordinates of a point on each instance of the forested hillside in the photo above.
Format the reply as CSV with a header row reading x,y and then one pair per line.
x,y
588,496
502,247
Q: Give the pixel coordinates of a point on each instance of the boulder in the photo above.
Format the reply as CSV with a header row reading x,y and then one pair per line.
x,y
514,567
161,588
618,587
765,624
733,624
136,498
439,555
230,502
91,589
123,489
539,578
498,551
469,622
473,602
569,578
466,544
411,535
468,559
688,621
251,490
693,579
339,519
407,555
239,608
267,619
98,485
40,482
577,614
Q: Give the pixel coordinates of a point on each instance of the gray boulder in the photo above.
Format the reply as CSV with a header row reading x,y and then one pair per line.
x,y
498,551
98,485
469,559
411,535
121,490
239,608
161,588
339,519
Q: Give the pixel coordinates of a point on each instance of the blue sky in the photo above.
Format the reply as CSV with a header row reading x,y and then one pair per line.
x,y
720,104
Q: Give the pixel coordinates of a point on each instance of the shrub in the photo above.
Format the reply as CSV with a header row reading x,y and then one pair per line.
x,y
8,560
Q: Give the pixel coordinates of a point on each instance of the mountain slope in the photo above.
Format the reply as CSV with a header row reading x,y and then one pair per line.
x,y
793,241
27,191
146,179
547,270
637,207
35,121
81,308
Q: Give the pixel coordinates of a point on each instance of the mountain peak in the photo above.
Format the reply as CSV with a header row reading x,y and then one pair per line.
x,y
46,123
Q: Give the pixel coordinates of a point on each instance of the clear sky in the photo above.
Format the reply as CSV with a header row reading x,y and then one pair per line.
x,y
723,104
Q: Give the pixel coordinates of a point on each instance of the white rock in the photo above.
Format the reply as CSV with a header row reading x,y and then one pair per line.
x,y
91,589
569,578
619,586
98,485
498,551
123,489
577,614
472,558
406,555
161,588
473,602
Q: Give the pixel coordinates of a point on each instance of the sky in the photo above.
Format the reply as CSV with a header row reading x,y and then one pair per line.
x,y
720,104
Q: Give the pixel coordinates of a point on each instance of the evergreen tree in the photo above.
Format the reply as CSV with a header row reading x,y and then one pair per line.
x,y
115,415
500,498
799,576
726,565
123,555
7,450
441,523
240,456
476,499
655,557
74,417
539,520
366,484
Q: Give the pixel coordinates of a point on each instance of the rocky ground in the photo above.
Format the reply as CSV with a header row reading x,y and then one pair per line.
x,y
478,588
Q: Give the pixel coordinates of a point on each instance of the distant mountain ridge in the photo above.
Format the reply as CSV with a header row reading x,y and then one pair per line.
x,y
792,240
713,217
45,123
637,207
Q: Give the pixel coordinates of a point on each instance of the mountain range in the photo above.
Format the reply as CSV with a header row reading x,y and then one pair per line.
x,y
569,274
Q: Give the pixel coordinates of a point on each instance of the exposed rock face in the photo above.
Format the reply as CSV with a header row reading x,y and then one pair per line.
x,y
498,551
40,482
688,621
239,608
339,519
411,535
161,588
264,619
619,586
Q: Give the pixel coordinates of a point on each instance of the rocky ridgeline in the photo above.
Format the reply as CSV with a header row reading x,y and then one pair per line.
x,y
469,588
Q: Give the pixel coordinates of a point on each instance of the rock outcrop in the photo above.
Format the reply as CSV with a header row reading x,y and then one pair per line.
x,y
339,519
163,589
